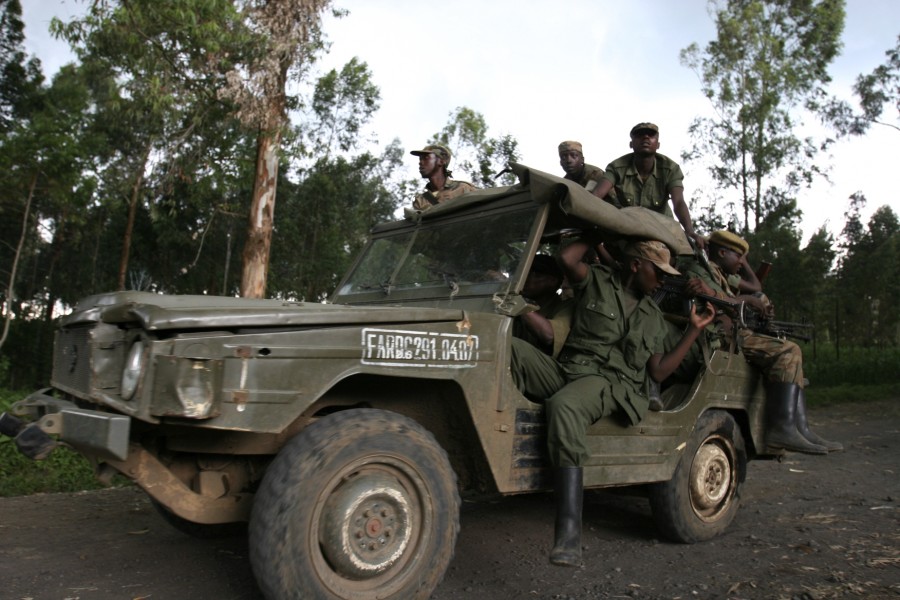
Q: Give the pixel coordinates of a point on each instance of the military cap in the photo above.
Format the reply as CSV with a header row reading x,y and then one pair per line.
x,y
642,126
654,251
570,146
546,264
729,240
438,150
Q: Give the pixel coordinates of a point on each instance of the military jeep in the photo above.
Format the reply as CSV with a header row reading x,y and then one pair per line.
x,y
344,432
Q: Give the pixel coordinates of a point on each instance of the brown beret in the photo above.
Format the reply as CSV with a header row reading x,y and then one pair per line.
x,y
729,240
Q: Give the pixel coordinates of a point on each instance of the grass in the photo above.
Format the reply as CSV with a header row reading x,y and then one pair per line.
x,y
63,471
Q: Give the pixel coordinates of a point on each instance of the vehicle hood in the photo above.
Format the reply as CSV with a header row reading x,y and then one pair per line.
x,y
161,312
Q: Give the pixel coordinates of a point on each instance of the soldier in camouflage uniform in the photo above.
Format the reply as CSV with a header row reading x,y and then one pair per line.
x,y
646,178
615,342
434,163
780,360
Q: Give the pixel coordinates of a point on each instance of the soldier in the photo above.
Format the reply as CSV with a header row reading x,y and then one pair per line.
x,y
646,178
434,162
615,341
571,159
547,327
781,361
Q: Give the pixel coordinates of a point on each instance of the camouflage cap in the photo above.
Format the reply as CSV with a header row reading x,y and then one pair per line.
x,y
729,240
654,251
644,126
570,146
438,150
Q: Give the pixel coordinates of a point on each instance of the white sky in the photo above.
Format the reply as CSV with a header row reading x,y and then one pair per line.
x,y
545,71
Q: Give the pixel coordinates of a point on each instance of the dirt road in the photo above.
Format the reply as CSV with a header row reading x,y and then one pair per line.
x,y
810,528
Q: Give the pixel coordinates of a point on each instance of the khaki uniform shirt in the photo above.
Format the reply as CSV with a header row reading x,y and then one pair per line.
x,y
604,342
652,193
452,189
590,178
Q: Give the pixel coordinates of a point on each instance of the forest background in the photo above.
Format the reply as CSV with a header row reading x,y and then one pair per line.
x,y
139,165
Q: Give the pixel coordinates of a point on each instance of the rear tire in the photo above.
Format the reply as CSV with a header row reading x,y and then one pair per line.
x,y
361,504
703,496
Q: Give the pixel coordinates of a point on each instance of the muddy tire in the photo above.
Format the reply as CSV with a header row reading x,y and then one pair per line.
x,y
702,498
361,504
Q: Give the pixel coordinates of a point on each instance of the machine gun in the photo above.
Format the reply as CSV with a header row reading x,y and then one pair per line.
x,y
742,314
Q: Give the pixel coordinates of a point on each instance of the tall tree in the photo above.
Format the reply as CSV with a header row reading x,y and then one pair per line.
x,y
874,91
480,156
291,37
769,57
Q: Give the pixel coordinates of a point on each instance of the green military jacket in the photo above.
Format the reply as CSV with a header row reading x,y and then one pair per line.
x,y
725,286
452,189
559,312
590,178
603,342
652,193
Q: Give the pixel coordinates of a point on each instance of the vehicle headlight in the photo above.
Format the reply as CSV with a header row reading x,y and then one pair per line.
x,y
134,364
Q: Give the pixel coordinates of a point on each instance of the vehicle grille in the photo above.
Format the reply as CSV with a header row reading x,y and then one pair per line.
x,y
72,361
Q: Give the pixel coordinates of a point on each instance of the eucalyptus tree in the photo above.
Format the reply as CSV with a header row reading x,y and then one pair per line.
x,y
769,59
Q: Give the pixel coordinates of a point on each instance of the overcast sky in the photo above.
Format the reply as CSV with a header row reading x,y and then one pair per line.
x,y
546,71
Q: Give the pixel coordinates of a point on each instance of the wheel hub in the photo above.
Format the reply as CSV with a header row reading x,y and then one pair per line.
x,y
366,525
711,476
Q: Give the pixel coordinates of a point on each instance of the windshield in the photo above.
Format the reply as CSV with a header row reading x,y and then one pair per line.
x,y
446,256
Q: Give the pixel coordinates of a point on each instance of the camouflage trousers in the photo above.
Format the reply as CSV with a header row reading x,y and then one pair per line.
x,y
780,361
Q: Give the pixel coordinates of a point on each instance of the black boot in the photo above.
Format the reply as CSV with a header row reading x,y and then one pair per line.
x,y
781,420
569,490
803,427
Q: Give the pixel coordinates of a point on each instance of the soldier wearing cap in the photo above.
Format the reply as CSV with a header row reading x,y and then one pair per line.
x,y
571,159
779,360
547,327
434,162
649,179
616,340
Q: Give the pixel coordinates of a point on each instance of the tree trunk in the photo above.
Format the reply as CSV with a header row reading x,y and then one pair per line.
x,y
262,216
10,288
132,212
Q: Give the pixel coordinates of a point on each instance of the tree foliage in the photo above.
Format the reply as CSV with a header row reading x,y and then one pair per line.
x,y
769,58
875,91
481,157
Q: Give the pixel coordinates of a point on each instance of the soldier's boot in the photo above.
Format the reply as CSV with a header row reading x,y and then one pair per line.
x,y
782,423
569,489
803,427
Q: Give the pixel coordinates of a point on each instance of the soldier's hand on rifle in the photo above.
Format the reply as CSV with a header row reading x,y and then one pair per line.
x,y
702,314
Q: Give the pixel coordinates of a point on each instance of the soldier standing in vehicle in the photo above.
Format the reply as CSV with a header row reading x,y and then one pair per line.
x,y
434,163
647,178
571,159
616,340
780,360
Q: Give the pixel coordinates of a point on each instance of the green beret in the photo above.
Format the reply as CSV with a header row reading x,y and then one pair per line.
x,y
644,126
729,240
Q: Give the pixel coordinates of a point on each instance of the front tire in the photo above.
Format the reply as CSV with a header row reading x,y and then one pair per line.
x,y
361,504
703,496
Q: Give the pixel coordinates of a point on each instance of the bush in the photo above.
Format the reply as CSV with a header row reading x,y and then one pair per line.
x,y
63,471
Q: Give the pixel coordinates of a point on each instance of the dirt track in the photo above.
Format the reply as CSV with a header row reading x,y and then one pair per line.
x,y
809,528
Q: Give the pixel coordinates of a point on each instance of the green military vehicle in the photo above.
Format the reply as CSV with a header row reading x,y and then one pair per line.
x,y
344,432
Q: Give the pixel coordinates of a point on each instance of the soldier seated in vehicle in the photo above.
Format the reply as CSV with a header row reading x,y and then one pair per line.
x,y
547,327
615,341
779,360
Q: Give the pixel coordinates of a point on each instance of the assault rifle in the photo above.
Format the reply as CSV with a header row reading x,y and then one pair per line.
x,y
743,315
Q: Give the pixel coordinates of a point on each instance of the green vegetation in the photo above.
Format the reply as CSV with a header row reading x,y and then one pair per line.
x,y
63,471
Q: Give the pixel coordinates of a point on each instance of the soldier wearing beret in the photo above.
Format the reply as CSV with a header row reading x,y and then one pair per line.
x,y
649,179
616,340
434,163
728,275
571,159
